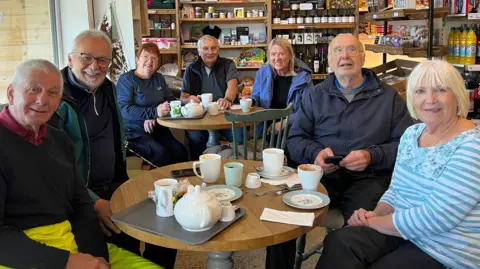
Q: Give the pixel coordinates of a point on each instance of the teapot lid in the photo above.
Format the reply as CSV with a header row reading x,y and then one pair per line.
x,y
196,194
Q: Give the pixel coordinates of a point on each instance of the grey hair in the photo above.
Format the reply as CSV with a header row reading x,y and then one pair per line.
x,y
360,46
23,70
206,37
91,34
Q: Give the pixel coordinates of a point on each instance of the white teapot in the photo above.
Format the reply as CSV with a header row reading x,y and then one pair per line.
x,y
197,210
192,110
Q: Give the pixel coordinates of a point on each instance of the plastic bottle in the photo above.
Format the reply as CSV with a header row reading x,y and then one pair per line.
x,y
456,52
463,46
451,44
477,61
471,51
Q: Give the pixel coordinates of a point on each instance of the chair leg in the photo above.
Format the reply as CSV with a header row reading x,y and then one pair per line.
x,y
300,249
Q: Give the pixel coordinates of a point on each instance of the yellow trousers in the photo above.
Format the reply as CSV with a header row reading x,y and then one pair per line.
x,y
60,236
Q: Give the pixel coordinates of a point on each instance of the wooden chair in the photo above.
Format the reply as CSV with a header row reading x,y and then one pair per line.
x,y
274,115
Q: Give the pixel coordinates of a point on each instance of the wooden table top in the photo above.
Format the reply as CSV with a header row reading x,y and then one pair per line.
x,y
249,232
217,122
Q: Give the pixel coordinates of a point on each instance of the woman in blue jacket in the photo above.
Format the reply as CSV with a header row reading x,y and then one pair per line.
x,y
143,96
281,81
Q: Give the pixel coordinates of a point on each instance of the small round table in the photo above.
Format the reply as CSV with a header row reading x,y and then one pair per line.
x,y
249,232
210,123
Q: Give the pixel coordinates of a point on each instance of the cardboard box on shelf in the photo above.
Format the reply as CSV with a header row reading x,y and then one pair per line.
x,y
395,74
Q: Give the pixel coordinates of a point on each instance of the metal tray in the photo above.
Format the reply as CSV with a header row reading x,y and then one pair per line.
x,y
143,216
183,118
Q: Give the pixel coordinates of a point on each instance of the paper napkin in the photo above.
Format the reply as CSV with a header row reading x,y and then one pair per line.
x,y
302,219
290,181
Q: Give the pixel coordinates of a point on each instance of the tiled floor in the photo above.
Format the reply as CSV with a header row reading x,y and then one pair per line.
x,y
252,259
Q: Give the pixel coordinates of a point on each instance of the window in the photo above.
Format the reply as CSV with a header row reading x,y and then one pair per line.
x,y
28,31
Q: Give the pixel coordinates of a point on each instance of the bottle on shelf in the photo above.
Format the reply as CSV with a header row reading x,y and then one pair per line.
x,y
471,51
456,52
451,45
316,62
323,62
308,59
477,60
300,56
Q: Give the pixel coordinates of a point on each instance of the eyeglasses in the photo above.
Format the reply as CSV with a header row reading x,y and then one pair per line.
x,y
88,59
351,51
212,48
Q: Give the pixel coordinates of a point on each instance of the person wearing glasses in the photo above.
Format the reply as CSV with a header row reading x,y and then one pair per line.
x,y
210,74
143,96
89,114
354,115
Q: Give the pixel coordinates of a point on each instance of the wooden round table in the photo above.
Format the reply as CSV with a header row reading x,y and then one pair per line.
x,y
249,232
210,123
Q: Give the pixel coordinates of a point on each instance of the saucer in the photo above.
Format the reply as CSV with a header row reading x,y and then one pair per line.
x,y
235,107
224,192
303,199
286,172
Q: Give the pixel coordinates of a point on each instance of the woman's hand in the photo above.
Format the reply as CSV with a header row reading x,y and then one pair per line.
x,y
163,109
277,127
360,217
148,125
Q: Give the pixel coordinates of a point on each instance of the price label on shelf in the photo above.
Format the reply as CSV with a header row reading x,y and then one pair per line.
x,y
374,16
301,27
473,67
395,14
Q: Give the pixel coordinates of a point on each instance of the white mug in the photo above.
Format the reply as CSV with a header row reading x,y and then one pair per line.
x,y
206,99
213,109
253,181
310,175
246,104
228,213
272,161
210,165
163,196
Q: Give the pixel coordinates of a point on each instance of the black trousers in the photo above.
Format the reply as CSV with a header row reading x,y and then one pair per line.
x,y
164,257
159,147
363,247
348,191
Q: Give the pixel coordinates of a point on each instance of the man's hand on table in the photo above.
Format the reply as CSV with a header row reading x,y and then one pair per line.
x,y
86,261
102,207
223,104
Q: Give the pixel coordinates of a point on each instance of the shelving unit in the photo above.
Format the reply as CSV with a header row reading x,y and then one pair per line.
x,y
313,26
229,46
410,14
231,20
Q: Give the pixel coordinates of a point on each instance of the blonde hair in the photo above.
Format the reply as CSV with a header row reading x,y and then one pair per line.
x,y
437,73
285,45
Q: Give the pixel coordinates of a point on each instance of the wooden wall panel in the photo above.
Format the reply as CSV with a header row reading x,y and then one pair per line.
x,y
26,33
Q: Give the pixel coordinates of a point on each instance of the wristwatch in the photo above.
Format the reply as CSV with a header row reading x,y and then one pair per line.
x,y
229,100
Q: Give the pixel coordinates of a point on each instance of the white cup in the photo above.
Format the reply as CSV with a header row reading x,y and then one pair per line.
x,y
253,181
213,109
272,161
206,99
310,175
246,104
163,196
228,213
210,165
175,108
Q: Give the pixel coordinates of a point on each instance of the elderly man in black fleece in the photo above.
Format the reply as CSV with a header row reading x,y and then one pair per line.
x,y
47,218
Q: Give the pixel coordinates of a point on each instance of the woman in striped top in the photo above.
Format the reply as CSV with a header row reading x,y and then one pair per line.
x,y
430,215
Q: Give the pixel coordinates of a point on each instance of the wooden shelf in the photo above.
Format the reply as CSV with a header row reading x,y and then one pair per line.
x,y
228,46
319,76
162,29
231,20
168,51
312,26
162,11
438,51
406,14
227,3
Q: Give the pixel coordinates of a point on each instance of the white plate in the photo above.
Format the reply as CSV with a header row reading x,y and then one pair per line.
x,y
303,199
224,192
235,107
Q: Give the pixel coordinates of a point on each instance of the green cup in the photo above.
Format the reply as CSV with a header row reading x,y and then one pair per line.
x,y
233,174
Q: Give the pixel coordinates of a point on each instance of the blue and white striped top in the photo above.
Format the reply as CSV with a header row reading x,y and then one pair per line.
x,y
435,192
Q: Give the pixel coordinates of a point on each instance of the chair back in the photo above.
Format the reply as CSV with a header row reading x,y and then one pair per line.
x,y
257,117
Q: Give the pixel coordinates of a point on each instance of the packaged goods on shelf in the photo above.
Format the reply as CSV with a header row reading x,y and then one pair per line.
x,y
254,57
